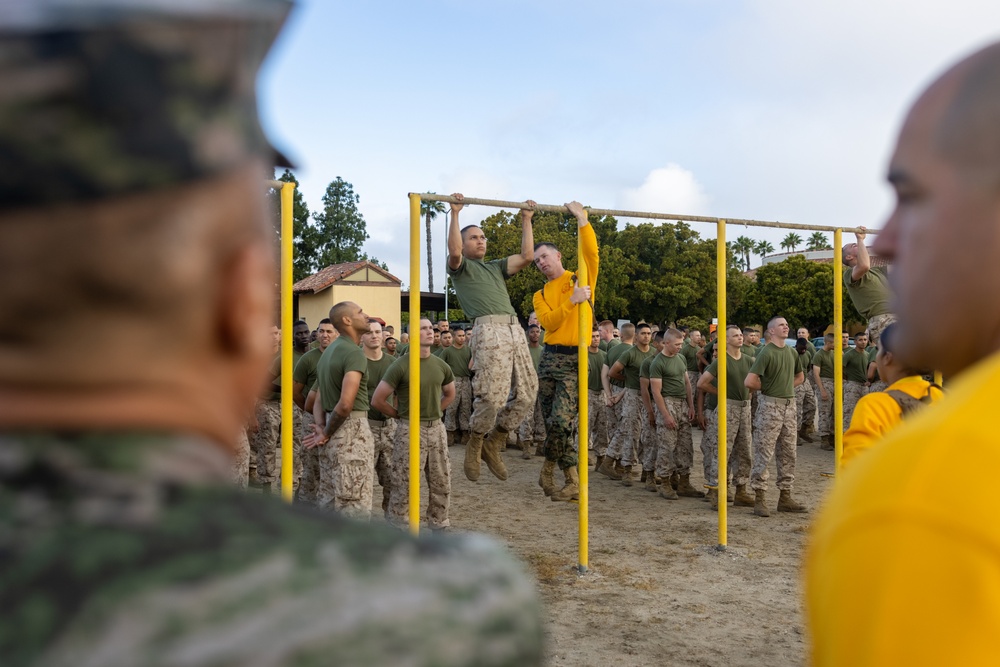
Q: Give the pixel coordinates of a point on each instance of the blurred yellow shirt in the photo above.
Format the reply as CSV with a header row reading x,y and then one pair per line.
x,y
903,563
878,413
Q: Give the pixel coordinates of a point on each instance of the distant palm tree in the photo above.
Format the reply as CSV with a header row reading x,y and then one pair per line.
x,y
763,248
744,245
791,242
430,210
817,241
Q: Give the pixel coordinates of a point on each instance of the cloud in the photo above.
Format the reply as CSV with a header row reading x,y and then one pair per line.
x,y
670,189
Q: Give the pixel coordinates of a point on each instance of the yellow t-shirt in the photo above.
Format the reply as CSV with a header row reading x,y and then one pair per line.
x,y
878,413
557,315
903,563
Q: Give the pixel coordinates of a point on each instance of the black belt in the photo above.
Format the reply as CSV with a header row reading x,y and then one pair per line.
x,y
560,349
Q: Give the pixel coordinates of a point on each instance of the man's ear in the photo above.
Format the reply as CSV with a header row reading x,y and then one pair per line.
x,y
245,302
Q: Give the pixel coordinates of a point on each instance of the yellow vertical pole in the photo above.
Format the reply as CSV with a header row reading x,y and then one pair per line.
x,y
585,329
838,348
414,352
938,378
721,380
287,420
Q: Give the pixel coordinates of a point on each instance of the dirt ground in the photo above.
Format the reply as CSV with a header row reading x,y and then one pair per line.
x,y
657,591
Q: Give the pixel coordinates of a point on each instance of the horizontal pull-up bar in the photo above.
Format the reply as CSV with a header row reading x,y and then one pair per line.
x,y
640,214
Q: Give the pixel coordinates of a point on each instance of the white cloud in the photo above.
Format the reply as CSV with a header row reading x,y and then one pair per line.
x,y
670,189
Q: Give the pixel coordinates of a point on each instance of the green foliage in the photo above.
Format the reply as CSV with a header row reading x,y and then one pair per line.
x,y
303,250
743,247
791,242
797,289
763,248
818,241
339,230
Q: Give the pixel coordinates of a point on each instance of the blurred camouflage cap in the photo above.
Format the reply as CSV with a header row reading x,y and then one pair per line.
x,y
106,97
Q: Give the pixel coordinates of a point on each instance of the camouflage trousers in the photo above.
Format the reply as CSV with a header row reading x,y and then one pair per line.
x,y
436,465
309,462
693,376
613,414
805,404
383,433
266,443
825,426
346,468
675,447
877,324
533,427
504,384
557,392
738,438
240,471
624,444
597,421
853,392
458,414
774,436
649,442
877,386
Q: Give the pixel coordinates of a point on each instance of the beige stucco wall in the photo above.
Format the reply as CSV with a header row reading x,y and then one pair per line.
x,y
376,300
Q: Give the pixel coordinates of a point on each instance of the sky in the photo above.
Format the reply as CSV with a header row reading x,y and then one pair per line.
x,y
757,109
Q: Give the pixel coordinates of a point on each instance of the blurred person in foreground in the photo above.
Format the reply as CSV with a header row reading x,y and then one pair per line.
x,y
132,175
902,568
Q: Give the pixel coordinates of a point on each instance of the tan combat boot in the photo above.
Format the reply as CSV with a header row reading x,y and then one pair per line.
x,y
674,480
526,448
572,489
666,490
787,504
608,468
685,490
828,444
598,460
491,453
742,498
730,494
473,452
651,481
760,503
713,498
451,438
546,479
626,475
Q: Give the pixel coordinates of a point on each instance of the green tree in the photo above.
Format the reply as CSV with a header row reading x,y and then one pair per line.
x,y
430,210
744,246
797,289
791,242
304,252
763,248
339,230
818,241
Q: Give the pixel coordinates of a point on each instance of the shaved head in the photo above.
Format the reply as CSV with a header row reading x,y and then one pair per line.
x,y
968,133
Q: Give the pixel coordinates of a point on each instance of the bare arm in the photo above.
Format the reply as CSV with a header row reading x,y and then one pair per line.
x,y
646,402
705,383
656,387
455,236
690,396
800,377
298,396
617,371
872,369
447,395
380,400
752,382
517,262
312,402
606,383
864,260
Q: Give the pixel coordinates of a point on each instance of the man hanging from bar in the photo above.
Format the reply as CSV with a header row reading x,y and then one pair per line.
x,y
500,358
558,307
868,286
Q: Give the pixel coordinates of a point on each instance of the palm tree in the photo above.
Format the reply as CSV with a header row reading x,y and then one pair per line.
x,y
763,248
744,245
430,210
817,241
791,242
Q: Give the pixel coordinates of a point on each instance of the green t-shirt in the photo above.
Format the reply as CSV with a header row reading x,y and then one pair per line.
x,y
855,366
748,351
458,360
434,375
871,293
304,371
275,371
401,349
605,346
777,367
376,371
632,361
614,353
671,371
480,287
341,357
824,359
736,375
690,354
595,362
805,361
536,355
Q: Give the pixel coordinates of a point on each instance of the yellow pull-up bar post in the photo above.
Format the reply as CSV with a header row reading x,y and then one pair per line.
x,y
287,191
721,482
414,418
586,317
838,349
